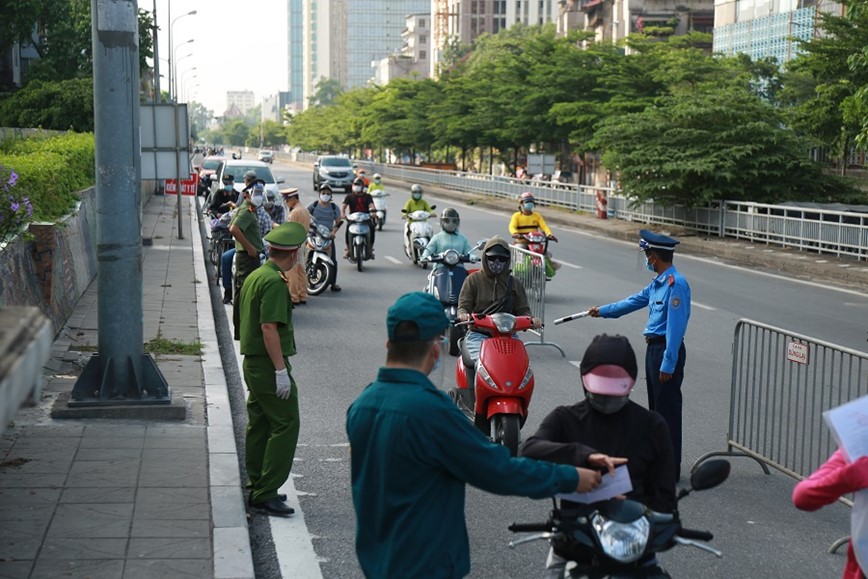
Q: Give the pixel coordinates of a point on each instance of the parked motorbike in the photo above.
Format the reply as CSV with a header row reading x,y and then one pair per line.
x,y
618,537
219,242
444,283
537,242
379,197
319,267
420,234
360,227
502,379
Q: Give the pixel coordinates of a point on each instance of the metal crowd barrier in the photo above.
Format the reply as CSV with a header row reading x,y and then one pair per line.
x,y
529,268
782,382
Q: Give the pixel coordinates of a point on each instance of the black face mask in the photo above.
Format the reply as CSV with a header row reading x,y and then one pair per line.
x,y
606,404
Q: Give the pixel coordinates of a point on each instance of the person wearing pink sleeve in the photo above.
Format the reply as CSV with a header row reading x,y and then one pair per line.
x,y
835,478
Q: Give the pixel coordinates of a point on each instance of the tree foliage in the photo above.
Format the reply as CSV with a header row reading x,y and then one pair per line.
x,y
60,106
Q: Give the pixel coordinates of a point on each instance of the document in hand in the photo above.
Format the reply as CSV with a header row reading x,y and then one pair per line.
x,y
849,426
610,487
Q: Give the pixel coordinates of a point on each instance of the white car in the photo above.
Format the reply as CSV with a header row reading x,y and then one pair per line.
x,y
266,156
238,167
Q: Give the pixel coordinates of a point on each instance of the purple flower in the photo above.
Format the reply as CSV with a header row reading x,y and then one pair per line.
x,y
15,206
13,178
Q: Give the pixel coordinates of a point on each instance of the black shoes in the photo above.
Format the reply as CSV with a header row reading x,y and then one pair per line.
x,y
274,507
281,497
336,287
227,296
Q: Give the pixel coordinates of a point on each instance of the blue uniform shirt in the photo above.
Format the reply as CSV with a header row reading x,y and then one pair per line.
x,y
668,301
412,451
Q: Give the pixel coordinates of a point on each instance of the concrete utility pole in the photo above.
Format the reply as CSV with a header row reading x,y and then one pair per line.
x,y
120,373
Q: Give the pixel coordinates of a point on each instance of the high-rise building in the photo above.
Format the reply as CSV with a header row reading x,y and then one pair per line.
x,y
241,99
415,55
766,28
295,52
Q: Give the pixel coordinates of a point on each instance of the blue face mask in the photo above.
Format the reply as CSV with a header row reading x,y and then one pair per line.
x,y
527,206
649,266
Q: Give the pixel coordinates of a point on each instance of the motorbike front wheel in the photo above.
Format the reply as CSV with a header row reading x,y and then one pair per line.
x,y
381,221
358,251
506,431
318,276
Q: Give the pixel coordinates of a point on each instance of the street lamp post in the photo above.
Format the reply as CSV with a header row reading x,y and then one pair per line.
x,y
183,93
171,26
179,171
178,62
173,84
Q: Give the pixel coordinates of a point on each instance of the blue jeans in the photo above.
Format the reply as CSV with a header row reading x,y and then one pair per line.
x,y
226,268
473,343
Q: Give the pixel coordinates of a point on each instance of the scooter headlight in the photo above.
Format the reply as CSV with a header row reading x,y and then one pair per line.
x,y
451,257
528,376
505,323
483,373
623,542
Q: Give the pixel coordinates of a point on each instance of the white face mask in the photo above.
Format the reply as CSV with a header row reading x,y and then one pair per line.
x,y
357,189
257,200
325,197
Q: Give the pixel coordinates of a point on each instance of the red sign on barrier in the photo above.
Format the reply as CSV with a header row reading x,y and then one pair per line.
x,y
188,186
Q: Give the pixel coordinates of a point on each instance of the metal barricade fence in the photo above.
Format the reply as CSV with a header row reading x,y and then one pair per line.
x,y
529,268
782,382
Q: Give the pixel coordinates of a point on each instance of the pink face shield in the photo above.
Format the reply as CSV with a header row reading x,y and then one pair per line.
x,y
609,380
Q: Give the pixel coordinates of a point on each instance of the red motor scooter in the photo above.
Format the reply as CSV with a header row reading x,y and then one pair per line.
x,y
537,242
502,380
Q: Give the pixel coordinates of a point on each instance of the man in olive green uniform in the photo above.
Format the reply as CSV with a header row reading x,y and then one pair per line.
x,y
267,339
244,227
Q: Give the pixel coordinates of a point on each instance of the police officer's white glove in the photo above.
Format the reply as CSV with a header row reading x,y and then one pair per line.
x,y
283,384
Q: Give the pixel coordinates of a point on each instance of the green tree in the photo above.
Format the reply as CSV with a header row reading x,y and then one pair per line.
x,y
697,146
326,92
60,106
398,115
831,109
235,133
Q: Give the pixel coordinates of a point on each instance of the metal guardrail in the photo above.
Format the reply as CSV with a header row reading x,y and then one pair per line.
x,y
529,268
840,233
782,382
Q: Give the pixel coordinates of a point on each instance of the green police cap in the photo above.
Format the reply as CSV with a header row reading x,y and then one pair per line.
x,y
286,236
424,310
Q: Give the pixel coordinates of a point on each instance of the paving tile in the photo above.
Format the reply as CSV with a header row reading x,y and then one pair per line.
x,y
92,520
233,558
108,473
178,475
163,528
99,569
162,510
179,455
169,494
39,464
57,444
15,569
21,539
113,442
163,430
224,470
28,504
175,442
108,453
168,569
31,481
82,549
170,548
98,495
114,430
62,431
227,506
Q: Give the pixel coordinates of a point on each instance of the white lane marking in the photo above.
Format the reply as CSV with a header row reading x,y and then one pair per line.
x,y
394,260
576,363
572,265
702,306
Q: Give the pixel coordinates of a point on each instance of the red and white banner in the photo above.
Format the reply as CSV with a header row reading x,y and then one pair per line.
x,y
188,186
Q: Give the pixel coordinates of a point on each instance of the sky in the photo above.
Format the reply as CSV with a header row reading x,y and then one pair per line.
x,y
237,45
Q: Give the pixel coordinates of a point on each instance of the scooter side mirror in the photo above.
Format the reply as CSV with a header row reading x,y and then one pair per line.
x,y
479,244
433,207
709,474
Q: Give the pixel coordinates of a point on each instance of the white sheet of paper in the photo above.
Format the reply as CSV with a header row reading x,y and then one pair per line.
x,y
611,486
849,426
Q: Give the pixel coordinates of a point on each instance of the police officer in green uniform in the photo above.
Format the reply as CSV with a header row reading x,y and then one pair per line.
x,y
244,227
267,339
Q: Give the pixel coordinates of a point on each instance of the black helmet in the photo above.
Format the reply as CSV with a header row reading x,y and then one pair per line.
x,y
449,220
497,250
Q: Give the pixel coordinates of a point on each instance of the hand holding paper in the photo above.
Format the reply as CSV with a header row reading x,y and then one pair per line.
x,y
610,487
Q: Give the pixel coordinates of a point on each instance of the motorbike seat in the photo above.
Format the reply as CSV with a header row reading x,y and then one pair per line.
x,y
466,359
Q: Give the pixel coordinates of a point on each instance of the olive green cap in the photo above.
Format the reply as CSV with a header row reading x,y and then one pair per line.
x,y
286,236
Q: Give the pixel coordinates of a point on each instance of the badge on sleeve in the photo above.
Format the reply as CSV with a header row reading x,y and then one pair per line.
x,y
676,301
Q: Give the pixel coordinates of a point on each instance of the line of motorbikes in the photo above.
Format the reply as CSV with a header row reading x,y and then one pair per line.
x,y
612,538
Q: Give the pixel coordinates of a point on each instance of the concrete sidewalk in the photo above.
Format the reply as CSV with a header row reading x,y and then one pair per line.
x,y
131,498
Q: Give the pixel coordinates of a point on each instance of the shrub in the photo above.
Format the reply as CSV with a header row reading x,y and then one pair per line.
x,y
51,171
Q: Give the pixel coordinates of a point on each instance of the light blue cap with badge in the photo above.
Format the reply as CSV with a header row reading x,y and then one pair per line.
x,y
421,308
651,240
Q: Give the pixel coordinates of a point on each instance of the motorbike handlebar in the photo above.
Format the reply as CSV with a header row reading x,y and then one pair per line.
x,y
695,534
530,527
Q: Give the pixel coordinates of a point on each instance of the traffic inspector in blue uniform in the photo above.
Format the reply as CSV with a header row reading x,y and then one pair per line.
x,y
668,300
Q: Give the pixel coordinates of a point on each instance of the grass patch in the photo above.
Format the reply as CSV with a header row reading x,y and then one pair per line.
x,y
158,345
161,345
